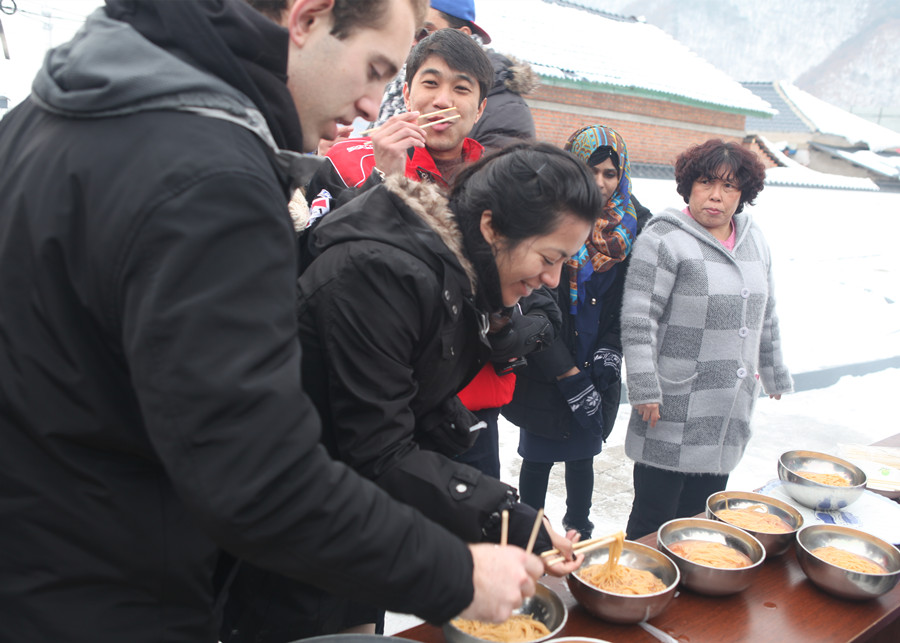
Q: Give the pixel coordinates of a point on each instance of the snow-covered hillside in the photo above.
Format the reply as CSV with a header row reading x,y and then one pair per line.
x,y
842,51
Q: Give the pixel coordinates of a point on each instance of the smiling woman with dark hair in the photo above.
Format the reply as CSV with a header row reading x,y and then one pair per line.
x,y
393,319
700,334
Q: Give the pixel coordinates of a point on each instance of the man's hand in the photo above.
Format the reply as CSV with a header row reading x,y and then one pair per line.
x,y
649,413
390,141
503,578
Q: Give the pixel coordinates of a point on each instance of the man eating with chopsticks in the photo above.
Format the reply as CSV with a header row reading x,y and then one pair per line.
x,y
447,80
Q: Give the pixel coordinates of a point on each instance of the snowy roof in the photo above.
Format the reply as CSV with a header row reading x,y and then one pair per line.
x,y
564,41
793,173
786,120
887,165
829,119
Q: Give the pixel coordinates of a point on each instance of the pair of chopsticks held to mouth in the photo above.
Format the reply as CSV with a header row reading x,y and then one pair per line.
x,y
552,556
446,119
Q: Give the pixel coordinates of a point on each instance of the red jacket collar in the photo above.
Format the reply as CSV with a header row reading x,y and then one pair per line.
x,y
422,167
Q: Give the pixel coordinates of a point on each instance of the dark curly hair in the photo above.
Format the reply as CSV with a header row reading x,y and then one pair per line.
x,y
716,159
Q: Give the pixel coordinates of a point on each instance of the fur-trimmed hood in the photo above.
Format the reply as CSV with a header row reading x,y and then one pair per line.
x,y
379,215
512,74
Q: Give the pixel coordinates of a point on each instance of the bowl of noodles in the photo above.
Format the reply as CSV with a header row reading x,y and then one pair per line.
x,y
714,558
541,617
820,481
772,522
846,562
626,582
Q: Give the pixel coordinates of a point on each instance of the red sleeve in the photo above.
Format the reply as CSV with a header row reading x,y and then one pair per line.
x,y
487,390
353,159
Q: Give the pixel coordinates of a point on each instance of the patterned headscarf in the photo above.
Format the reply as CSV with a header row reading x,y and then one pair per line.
x,y
610,241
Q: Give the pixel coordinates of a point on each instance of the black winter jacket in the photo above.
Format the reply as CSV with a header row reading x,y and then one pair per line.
x,y
506,118
151,411
390,335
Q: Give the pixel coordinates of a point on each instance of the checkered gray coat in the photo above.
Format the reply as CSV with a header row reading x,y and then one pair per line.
x,y
698,324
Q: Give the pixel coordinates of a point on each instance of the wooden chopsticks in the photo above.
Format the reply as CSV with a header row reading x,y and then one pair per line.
x,y
440,111
443,120
552,556
504,529
534,531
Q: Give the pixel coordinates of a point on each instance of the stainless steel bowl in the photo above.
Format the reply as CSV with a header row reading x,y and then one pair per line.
x,y
775,544
621,608
813,494
837,580
352,638
545,606
703,579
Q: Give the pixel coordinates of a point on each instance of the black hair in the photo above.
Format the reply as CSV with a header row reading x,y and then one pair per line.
x,y
459,51
601,154
529,188
708,159
455,23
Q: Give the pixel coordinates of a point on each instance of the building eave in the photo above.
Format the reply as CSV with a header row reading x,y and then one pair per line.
x,y
644,92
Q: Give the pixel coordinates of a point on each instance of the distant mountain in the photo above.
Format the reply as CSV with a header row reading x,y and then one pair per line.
x,y
842,51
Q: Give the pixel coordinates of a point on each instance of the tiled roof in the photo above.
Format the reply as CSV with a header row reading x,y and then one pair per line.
x,y
830,119
793,173
786,120
887,165
567,43
652,171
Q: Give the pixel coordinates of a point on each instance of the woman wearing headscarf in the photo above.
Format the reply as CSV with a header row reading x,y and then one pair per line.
x,y
567,397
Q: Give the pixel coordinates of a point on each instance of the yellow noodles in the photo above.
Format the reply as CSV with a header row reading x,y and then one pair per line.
x,y
831,479
847,560
619,579
519,627
710,553
755,518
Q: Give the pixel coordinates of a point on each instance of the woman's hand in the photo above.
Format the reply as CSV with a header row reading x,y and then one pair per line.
x,y
563,544
776,396
648,412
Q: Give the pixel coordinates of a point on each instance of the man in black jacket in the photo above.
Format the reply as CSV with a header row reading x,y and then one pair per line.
x,y
151,410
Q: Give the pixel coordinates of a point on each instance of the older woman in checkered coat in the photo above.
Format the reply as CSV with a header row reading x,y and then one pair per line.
x,y
700,336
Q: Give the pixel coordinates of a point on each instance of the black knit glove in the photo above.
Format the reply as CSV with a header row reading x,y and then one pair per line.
x,y
606,368
583,400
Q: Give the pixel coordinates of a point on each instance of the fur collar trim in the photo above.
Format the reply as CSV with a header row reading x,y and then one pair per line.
x,y
428,202
521,78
